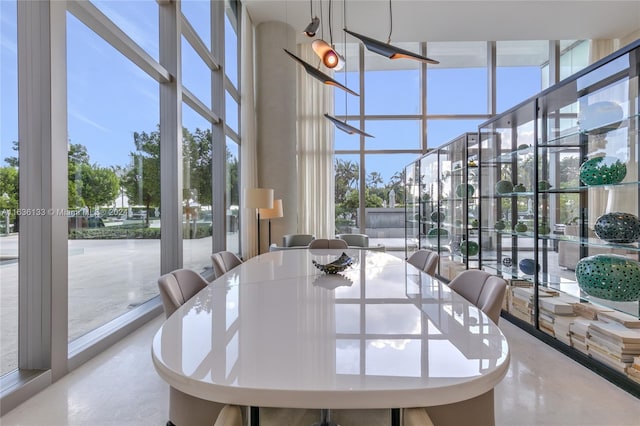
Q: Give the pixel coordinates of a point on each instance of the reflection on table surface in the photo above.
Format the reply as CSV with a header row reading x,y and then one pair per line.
x,y
277,323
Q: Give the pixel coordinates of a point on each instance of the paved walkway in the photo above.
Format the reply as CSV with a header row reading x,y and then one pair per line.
x,y
106,279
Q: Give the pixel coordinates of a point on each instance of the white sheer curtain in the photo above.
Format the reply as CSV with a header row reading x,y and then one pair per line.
x,y
248,162
600,48
316,194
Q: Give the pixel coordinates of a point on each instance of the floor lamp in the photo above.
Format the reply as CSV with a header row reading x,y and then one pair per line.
x,y
273,213
258,198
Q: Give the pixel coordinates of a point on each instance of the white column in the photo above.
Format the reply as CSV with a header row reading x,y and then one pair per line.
x,y
276,123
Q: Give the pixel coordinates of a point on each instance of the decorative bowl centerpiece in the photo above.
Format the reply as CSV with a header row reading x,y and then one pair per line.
x,y
609,276
602,171
332,281
617,227
338,265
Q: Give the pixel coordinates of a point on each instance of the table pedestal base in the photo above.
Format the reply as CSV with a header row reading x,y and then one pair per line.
x,y
187,410
325,419
477,411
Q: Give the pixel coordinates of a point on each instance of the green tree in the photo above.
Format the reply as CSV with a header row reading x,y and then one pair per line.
x,y
13,160
197,161
9,186
100,185
141,182
347,174
233,178
397,184
77,156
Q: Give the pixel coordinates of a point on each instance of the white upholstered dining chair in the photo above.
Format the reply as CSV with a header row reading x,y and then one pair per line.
x,y
224,261
177,287
484,290
324,243
297,240
356,240
426,260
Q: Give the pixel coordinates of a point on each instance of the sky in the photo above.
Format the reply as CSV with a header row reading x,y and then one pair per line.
x,y
109,98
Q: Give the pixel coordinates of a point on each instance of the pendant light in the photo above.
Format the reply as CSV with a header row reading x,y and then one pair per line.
x,y
342,125
310,30
386,49
327,51
317,74
329,56
347,128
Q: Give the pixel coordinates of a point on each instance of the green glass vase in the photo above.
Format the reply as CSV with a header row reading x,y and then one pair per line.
x,y
520,227
469,248
609,276
617,227
602,171
504,186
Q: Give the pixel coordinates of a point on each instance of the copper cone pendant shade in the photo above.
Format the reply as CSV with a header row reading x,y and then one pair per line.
x,y
317,74
347,128
391,52
330,58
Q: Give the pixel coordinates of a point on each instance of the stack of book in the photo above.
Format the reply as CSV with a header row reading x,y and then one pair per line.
x,y
551,309
627,320
578,333
521,303
634,370
613,344
589,311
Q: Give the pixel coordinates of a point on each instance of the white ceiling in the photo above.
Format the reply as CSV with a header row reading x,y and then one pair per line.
x,y
458,20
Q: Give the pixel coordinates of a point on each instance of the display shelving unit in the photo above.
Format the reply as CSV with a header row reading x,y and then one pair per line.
x,y
442,204
550,238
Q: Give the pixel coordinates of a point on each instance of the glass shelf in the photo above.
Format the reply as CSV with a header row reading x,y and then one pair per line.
x,y
591,242
510,156
572,136
576,189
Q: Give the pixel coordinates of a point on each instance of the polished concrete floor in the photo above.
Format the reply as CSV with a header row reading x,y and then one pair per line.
x,y
120,387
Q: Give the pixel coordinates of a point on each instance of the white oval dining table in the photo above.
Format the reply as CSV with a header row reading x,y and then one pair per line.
x,y
277,332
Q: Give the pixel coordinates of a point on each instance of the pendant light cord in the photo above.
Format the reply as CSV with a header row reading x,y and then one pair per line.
x,y
344,42
330,23
390,22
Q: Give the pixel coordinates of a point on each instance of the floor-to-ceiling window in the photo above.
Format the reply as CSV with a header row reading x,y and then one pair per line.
x,y
232,129
197,146
410,107
518,71
113,153
140,89
9,218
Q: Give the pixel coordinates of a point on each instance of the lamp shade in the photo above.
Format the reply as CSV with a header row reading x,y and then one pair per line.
x,y
311,29
386,49
330,58
319,75
274,213
258,198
